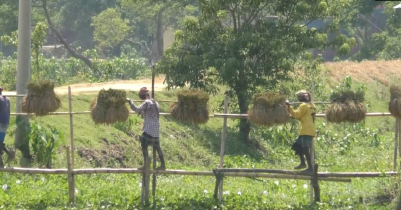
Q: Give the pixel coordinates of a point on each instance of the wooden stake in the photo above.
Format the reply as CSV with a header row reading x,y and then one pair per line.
x,y
399,135
146,182
315,183
154,178
71,180
71,126
396,142
312,149
222,147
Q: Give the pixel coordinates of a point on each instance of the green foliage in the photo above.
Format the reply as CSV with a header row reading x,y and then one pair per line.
x,y
127,126
38,39
110,29
45,144
65,71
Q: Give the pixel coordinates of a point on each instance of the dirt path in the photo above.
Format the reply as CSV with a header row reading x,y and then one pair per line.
x,y
90,88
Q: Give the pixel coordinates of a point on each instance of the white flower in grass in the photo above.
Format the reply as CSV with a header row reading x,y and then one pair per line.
x,y
265,192
140,184
43,179
18,182
76,190
277,182
103,207
239,193
305,186
226,192
283,196
294,186
205,191
5,187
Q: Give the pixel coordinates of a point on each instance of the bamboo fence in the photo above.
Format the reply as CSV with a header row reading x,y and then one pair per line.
x,y
219,173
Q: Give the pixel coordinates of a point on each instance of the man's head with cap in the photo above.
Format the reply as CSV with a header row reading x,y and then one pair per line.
x,y
143,93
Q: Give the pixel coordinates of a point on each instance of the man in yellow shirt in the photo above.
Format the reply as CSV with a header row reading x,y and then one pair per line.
x,y
306,114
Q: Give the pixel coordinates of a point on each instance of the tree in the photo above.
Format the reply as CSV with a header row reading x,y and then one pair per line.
x,y
243,45
110,30
61,39
150,19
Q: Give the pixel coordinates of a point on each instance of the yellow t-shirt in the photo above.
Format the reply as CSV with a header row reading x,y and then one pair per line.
x,y
304,114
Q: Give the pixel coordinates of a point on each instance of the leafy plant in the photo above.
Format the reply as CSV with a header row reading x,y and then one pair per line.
x,y
45,144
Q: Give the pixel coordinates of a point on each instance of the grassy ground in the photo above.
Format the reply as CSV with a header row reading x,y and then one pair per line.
x,y
366,146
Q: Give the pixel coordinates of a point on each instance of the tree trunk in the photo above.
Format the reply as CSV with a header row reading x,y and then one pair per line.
x,y
23,76
244,125
60,38
158,43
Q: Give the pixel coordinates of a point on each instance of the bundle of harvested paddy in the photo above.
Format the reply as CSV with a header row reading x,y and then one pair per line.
x,y
346,106
269,109
41,98
191,107
394,106
109,107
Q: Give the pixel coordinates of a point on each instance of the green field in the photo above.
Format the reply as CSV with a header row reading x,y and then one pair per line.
x,y
366,146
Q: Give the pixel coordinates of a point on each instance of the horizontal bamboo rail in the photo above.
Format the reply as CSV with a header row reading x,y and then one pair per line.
x,y
320,174
162,101
317,115
170,172
168,114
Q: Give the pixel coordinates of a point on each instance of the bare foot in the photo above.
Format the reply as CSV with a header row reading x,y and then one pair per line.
x,y
162,168
307,171
301,166
11,156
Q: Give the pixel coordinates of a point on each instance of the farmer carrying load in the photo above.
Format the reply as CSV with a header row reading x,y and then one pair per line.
x,y
149,110
306,114
4,122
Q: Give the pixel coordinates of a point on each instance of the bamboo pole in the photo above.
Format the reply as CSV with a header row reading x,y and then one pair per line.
x,y
321,174
312,149
71,126
222,147
70,177
217,115
396,142
227,172
399,135
315,183
147,179
34,170
317,115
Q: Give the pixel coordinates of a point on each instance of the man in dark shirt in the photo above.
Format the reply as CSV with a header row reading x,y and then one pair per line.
x,y
4,122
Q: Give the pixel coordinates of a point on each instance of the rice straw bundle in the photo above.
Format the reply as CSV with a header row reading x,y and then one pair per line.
x,y
109,107
394,106
191,107
269,109
346,106
41,98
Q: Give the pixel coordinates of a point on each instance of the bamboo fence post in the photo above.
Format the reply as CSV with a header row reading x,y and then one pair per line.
x,y
146,182
70,177
315,183
312,149
222,147
396,142
154,154
399,136
71,126
154,178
